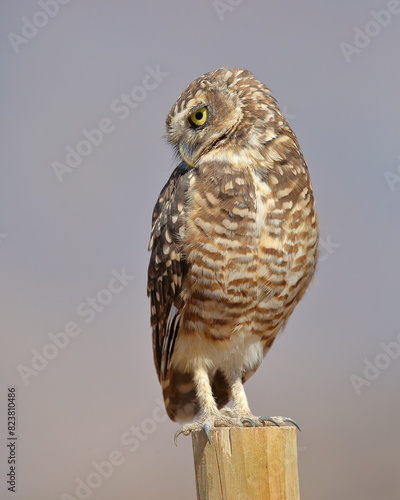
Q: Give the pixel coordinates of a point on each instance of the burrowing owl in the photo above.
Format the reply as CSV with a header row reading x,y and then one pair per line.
x,y
233,246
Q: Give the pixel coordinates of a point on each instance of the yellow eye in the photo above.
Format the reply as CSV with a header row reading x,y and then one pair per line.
x,y
199,117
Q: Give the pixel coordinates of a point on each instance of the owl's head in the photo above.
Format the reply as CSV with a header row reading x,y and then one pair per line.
x,y
226,108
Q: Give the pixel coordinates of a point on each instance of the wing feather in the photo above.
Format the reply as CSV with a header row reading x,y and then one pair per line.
x,y
168,267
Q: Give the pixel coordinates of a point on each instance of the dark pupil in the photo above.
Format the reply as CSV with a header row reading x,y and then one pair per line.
x,y
199,115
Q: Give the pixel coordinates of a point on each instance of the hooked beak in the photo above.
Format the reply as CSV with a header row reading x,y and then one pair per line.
x,y
186,155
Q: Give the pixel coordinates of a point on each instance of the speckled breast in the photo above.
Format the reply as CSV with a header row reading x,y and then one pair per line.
x,y
251,244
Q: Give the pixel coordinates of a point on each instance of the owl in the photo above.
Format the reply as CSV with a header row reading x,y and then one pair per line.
x,y
234,244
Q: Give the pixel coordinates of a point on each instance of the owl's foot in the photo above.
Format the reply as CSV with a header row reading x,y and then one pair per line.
x,y
245,418
207,424
229,418
253,421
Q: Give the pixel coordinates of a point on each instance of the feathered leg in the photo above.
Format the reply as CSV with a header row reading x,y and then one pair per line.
x,y
210,416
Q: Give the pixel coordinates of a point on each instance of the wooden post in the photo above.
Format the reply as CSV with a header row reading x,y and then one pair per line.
x,y
248,463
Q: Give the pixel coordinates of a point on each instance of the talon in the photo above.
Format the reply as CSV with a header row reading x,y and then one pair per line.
x,y
207,430
249,420
270,419
177,433
285,419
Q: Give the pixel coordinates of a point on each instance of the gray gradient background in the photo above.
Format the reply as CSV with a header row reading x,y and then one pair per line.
x,y
64,239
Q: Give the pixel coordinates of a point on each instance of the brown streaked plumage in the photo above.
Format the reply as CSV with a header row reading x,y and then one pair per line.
x,y
233,245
